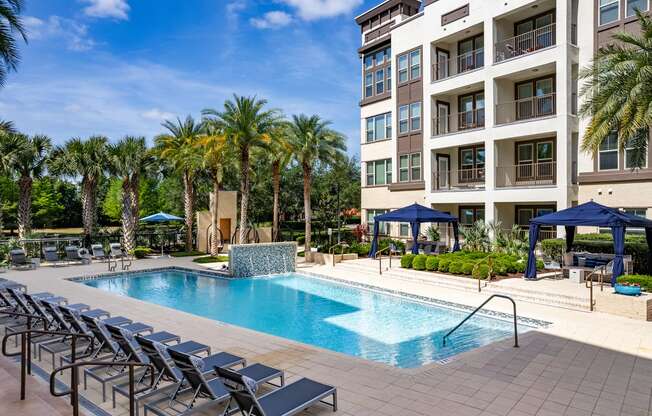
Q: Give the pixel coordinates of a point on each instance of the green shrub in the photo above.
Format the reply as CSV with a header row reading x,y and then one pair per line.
x,y
481,272
141,252
455,267
406,260
467,268
443,265
186,253
301,240
540,264
520,266
643,280
432,263
210,259
419,262
500,268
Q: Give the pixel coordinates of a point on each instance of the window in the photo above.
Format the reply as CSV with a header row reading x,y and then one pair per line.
x,y
641,212
415,116
409,167
404,229
471,164
535,160
379,127
608,154
368,61
632,5
388,78
402,68
631,155
380,82
471,214
403,116
380,57
608,11
379,172
415,64
372,213
368,85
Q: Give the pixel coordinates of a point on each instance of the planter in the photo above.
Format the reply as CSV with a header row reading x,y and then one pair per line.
x,y
627,290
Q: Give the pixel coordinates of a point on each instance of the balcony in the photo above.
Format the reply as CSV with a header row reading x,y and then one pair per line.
x,y
458,122
526,109
458,180
525,44
448,67
526,175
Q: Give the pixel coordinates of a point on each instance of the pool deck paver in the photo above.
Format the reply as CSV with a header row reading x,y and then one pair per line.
x,y
583,364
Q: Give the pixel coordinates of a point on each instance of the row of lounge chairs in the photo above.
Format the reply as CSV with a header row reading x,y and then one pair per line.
x,y
188,376
73,255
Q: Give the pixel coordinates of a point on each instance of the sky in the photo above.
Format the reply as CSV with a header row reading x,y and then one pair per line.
x,y
121,67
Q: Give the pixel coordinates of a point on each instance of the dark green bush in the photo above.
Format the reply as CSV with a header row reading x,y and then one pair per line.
x,y
141,252
500,268
419,262
455,267
481,272
643,280
301,239
432,263
443,265
467,268
406,260
520,266
540,264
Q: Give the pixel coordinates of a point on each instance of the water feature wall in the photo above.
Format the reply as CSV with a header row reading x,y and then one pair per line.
x,y
246,260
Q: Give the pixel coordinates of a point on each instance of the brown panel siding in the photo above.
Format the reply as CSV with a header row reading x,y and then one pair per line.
x,y
454,15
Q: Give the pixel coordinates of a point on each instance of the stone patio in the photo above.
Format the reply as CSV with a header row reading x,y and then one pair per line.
x,y
583,364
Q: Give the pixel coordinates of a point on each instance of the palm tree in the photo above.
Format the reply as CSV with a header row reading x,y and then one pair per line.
x,y
129,159
216,157
279,154
312,141
10,145
86,159
28,163
10,25
6,127
617,92
244,122
178,148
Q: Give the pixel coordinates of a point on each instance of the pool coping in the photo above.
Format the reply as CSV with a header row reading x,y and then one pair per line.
x,y
526,321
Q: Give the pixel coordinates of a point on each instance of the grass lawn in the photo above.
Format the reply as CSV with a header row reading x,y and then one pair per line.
x,y
211,259
187,253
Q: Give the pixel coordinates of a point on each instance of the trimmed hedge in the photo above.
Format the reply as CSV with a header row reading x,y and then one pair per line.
x,y
432,262
406,260
419,262
141,252
637,248
455,267
643,280
467,268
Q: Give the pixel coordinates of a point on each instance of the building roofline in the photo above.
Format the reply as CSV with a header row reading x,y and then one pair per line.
x,y
379,8
372,9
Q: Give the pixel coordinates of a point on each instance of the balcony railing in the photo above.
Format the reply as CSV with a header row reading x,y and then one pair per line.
x,y
457,122
455,65
526,108
545,233
526,174
458,180
573,40
525,43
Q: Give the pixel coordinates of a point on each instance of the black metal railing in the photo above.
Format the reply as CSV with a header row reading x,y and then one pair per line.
x,y
480,307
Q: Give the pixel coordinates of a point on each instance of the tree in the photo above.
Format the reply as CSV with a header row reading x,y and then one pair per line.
x,y
178,148
216,156
617,92
10,26
88,160
112,203
129,159
244,122
47,207
312,141
9,147
279,155
28,164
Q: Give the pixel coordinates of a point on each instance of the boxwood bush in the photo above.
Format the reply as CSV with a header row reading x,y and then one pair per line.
x,y
443,265
432,262
467,268
643,280
406,260
419,262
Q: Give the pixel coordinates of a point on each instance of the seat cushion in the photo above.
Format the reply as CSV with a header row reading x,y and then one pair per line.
x,y
189,347
259,372
114,321
162,337
222,359
293,396
137,327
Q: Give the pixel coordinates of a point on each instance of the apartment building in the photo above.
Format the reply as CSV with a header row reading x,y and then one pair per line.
x,y
607,177
469,106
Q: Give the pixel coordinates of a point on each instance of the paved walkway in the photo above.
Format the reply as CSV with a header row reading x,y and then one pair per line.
x,y
583,364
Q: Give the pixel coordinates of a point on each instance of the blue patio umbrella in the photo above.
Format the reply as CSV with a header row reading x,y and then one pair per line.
x,y
160,217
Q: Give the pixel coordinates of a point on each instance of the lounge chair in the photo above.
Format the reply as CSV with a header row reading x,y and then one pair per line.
x,y
19,260
64,344
73,255
286,401
51,255
97,251
118,253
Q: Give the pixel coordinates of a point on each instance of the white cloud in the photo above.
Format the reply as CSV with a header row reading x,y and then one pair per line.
x,y
271,20
318,9
117,9
157,115
74,34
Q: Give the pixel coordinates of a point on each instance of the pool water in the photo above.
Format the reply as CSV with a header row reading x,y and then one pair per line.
x,y
363,323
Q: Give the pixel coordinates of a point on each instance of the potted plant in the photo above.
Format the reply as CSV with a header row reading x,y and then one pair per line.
x,y
628,289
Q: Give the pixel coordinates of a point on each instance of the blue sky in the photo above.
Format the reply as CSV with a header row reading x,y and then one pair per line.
x,y
118,67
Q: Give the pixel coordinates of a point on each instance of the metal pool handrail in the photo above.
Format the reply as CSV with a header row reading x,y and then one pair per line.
x,y
480,307
331,251
379,257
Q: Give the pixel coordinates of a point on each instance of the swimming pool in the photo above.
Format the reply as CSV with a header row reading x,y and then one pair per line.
x,y
363,323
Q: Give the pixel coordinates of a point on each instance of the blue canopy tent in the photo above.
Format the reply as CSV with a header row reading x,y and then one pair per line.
x,y
414,214
161,217
590,214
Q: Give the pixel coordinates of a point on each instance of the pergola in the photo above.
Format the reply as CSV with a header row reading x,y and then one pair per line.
x,y
414,214
590,214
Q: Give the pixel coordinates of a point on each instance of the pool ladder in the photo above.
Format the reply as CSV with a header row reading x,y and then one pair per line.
x,y
480,307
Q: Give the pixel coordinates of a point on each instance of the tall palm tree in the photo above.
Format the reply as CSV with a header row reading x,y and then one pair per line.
x,y
244,122
178,148
86,159
129,159
216,157
10,145
313,141
617,91
6,127
28,163
279,155
10,26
